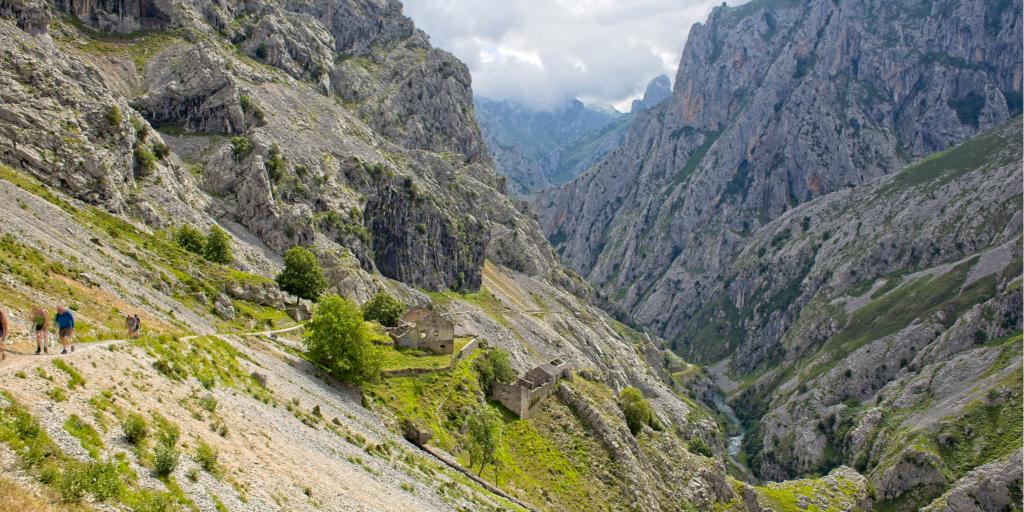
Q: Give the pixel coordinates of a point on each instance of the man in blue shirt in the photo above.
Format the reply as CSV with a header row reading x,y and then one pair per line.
x,y
66,327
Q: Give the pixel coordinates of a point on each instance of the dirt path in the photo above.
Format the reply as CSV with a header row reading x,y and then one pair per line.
x,y
18,360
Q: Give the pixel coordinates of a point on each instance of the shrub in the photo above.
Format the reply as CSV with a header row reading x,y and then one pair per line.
x,y
302,275
637,410
241,146
160,150
135,428
206,456
338,339
384,309
98,479
699,447
165,459
275,164
218,246
113,116
190,239
494,367
144,159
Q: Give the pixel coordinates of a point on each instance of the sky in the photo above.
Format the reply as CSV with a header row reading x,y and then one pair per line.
x,y
543,52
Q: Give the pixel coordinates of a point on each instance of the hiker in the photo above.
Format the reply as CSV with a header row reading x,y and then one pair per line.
x,y
5,330
65,327
138,326
41,323
129,325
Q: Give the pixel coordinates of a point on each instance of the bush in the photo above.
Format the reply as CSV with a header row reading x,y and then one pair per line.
x,y
302,275
338,339
190,239
206,456
165,459
275,165
494,367
144,159
637,410
113,116
160,150
135,428
699,447
241,146
384,309
218,246
97,479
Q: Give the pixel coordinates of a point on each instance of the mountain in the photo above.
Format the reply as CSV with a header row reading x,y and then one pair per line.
x,y
527,144
799,217
658,90
332,125
540,149
748,135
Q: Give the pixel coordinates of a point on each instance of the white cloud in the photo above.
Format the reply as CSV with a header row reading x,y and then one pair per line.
x,y
542,52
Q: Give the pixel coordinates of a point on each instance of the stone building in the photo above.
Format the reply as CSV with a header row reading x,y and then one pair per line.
x,y
525,394
424,329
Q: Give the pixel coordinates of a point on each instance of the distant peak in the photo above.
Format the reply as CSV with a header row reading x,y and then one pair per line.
x,y
658,89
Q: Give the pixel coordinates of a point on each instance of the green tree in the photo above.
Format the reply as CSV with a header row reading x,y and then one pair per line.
x,y
190,239
338,339
494,367
485,437
384,309
218,246
637,410
302,275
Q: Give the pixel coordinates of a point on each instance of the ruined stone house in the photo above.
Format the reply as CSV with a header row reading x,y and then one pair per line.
x,y
424,329
525,394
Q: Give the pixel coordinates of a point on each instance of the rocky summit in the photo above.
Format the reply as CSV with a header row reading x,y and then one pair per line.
x,y
274,256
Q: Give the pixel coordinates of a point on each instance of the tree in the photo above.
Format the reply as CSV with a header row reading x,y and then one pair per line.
x,y
302,275
637,410
485,436
338,339
384,309
190,239
218,246
494,367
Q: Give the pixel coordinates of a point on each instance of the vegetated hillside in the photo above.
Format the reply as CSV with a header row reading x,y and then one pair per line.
x,y
777,103
332,125
880,327
539,149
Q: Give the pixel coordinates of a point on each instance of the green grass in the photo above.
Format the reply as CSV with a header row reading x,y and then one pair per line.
x,y
74,480
75,378
986,430
975,153
209,359
784,497
483,299
86,435
896,309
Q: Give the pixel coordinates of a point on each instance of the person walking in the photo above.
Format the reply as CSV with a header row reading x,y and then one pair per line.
x,y
41,324
5,331
129,325
65,321
137,331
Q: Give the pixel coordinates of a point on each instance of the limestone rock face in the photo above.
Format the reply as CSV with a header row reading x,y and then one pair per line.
x,y
192,91
994,486
417,244
775,104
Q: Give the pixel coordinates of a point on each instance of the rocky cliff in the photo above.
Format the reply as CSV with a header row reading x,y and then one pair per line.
x,y
776,103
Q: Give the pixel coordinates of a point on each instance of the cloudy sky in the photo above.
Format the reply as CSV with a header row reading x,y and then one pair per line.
x,y
541,52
